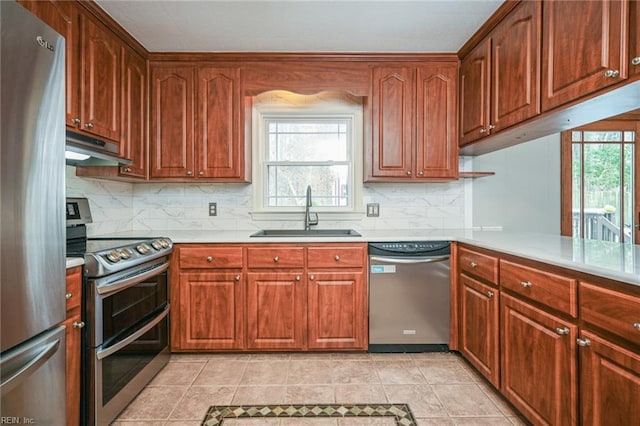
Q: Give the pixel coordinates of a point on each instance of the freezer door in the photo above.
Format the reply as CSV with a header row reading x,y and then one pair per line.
x,y
33,381
32,176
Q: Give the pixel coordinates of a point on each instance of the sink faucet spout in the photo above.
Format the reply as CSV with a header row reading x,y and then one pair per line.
x,y
309,218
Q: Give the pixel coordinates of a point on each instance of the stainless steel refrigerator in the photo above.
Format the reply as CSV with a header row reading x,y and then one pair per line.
x,y
32,233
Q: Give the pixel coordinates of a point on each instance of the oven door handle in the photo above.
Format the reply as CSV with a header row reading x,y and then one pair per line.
x,y
103,353
129,282
409,260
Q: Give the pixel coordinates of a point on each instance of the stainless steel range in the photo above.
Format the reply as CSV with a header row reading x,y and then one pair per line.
x,y
126,311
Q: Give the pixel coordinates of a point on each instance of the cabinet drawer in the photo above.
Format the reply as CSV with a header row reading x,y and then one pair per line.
x,y
74,287
336,257
478,264
275,257
210,257
553,290
616,312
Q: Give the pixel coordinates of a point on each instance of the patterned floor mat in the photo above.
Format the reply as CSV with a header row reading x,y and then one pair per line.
x,y
401,412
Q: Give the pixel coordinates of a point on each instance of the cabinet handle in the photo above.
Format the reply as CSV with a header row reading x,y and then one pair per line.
x,y
75,121
189,173
611,73
474,264
312,277
635,61
68,296
526,284
297,277
408,172
127,169
491,127
489,294
420,173
337,258
583,342
237,278
562,331
89,125
276,259
200,173
636,325
209,259
77,324
483,130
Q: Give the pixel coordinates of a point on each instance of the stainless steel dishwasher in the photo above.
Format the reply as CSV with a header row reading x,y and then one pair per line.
x,y
409,286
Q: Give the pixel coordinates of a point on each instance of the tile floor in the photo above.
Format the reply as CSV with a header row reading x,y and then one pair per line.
x,y
441,389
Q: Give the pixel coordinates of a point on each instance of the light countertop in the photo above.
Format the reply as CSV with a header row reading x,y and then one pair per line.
x,y
74,261
609,260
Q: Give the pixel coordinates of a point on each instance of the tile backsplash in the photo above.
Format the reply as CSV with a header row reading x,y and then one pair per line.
x,y
120,207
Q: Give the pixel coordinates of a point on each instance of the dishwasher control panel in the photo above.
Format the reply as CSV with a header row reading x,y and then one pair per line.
x,y
410,248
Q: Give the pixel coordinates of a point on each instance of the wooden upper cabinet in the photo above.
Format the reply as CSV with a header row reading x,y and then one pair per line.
x,y
634,37
220,152
171,122
584,48
500,78
63,17
414,112
100,112
133,141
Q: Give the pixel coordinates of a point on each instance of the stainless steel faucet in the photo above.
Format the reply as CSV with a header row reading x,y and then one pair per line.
x,y
309,218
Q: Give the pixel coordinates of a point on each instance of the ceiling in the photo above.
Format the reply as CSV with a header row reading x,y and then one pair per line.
x,y
301,25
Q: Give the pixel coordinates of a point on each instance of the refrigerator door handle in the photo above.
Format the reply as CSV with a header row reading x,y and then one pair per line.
x,y
31,365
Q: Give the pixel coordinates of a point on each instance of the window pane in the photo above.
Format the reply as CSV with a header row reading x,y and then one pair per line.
x,y
592,136
629,136
302,141
288,184
629,217
576,136
576,190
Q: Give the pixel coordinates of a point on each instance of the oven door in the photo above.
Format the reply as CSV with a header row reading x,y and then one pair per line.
x,y
129,327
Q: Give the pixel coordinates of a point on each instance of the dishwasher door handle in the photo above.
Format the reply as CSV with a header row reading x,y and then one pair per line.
x,y
409,260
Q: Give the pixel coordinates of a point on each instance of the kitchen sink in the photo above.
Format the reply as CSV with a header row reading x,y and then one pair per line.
x,y
306,233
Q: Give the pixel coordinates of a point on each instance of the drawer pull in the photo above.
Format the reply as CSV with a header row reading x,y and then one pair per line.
x,y
78,324
209,259
297,277
337,258
636,325
583,342
276,259
636,60
237,278
474,264
611,73
68,296
489,294
526,284
562,331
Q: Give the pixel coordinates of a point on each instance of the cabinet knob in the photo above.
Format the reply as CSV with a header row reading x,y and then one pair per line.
x,y
200,173
420,173
237,278
474,264
562,331
68,296
483,130
635,61
126,169
209,259
298,278
611,73
526,284
75,121
583,342
491,127
89,125
189,173
312,277
408,172
78,324
337,258
636,325
276,259
489,294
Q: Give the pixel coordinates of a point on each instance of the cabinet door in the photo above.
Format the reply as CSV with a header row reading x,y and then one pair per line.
x,y
436,120
393,109
100,80
539,363
171,122
475,75
584,48
276,307
133,142
63,17
211,311
337,310
634,37
515,82
220,150
479,310
609,383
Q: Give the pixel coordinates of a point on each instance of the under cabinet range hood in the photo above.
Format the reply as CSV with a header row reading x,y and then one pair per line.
x,y
86,150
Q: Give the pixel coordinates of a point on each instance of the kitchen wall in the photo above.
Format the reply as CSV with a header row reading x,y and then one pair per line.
x,y
524,194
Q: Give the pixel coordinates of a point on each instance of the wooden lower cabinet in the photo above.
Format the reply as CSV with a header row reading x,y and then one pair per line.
x,y
74,325
336,301
539,363
211,310
609,382
479,335
276,307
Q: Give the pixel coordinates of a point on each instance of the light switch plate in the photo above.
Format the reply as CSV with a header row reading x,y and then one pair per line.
x,y
373,210
213,209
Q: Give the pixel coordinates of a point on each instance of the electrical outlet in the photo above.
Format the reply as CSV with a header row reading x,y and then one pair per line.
x,y
373,210
213,209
